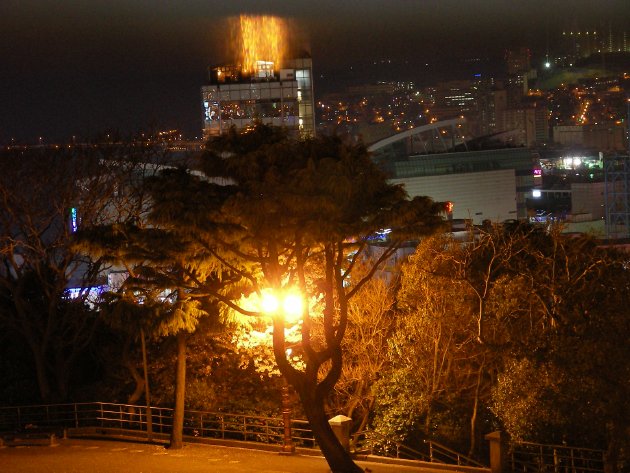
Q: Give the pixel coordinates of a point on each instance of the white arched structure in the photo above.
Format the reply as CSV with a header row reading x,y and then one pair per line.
x,y
414,133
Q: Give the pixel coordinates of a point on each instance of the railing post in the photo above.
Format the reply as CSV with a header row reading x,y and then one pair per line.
x,y
76,416
341,427
288,448
498,450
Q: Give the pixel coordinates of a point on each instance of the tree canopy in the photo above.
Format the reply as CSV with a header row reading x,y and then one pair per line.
x,y
287,215
519,321
39,195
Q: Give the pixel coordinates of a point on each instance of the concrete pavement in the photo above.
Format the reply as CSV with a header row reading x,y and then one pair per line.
x,y
107,456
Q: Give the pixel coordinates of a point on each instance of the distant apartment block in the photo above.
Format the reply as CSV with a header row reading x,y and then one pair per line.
x,y
606,137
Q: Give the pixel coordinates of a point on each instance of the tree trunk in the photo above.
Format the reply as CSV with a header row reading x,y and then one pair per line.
x,y
42,376
147,395
611,456
62,376
338,459
473,417
180,380
139,390
128,363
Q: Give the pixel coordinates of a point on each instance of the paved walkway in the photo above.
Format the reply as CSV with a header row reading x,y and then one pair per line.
x,y
106,456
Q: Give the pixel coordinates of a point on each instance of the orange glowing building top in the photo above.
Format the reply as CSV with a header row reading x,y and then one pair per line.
x,y
263,84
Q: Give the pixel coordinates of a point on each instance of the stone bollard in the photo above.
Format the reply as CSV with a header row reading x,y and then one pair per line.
x,y
498,451
341,427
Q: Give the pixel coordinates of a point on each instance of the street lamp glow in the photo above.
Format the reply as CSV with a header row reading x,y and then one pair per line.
x,y
269,303
292,308
289,305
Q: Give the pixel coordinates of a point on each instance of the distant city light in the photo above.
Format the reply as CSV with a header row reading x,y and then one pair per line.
x,y
91,295
572,162
74,219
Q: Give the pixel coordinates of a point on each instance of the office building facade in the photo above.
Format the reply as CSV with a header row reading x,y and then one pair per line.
x,y
269,95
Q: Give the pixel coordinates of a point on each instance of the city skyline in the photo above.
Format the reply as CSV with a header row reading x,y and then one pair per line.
x,y
71,68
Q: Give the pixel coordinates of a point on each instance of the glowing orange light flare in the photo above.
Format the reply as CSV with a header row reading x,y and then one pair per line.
x,y
262,40
269,303
292,308
289,305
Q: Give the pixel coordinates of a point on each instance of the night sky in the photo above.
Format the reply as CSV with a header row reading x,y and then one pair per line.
x,y
86,67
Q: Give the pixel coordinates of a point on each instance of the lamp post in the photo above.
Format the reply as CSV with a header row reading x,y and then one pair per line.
x,y
288,448
289,307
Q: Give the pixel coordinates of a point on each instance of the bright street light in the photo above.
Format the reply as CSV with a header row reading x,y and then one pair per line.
x,y
289,305
292,308
269,303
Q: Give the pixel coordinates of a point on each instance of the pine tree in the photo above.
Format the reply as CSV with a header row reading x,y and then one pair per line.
x,y
169,277
301,214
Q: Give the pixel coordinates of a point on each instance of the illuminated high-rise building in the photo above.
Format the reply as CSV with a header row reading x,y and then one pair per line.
x,y
575,43
268,94
266,82
518,61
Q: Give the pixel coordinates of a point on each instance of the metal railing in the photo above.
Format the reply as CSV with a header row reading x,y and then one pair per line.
x,y
217,425
373,443
523,457
441,453
126,419
527,457
376,444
